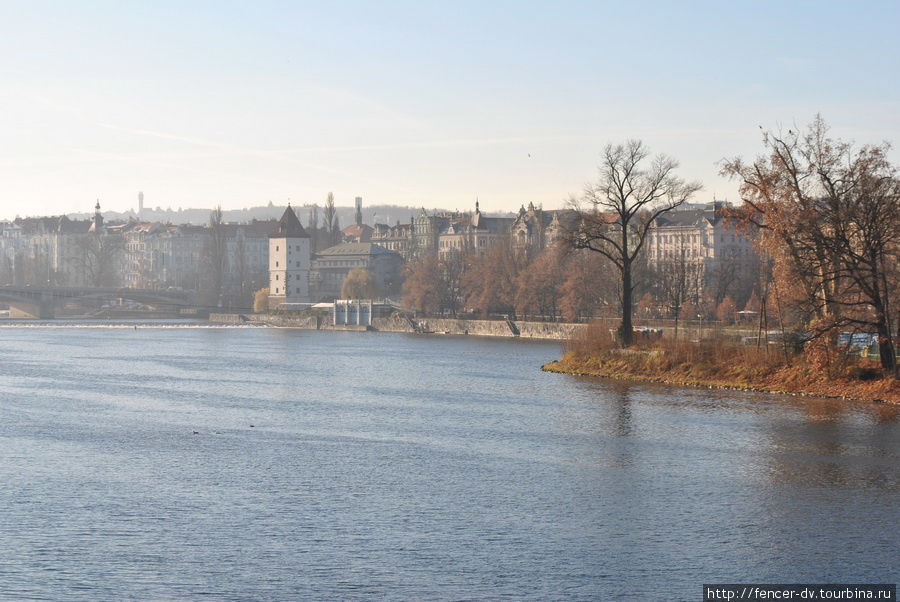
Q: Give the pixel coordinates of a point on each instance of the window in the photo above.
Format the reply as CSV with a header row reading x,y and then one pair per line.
x,y
276,276
276,290
276,264
276,247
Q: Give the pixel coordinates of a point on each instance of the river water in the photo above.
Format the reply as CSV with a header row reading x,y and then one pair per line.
x,y
172,463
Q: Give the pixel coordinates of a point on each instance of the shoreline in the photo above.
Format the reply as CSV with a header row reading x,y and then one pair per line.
x,y
557,332
565,366
505,329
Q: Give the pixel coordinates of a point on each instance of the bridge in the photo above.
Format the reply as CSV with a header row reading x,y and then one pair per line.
x,y
41,301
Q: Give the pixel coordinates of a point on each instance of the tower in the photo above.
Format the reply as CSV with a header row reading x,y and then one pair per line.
x,y
288,262
359,211
140,204
97,226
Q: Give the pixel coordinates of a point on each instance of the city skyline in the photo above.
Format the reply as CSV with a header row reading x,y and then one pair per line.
x,y
404,104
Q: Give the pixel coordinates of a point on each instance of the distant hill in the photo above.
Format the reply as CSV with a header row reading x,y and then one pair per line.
x,y
383,214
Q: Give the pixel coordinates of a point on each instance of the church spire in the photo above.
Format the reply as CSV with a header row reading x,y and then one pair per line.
x,y
97,226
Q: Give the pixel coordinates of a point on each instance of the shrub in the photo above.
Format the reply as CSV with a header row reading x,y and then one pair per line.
x,y
261,300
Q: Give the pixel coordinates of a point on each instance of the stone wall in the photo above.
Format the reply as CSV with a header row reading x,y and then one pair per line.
x,y
308,322
228,318
486,328
547,330
397,322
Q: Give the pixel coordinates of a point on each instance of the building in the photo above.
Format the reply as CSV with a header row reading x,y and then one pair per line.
x,y
330,267
725,257
289,262
473,232
58,251
143,266
247,258
163,256
12,245
424,232
395,238
534,229
358,231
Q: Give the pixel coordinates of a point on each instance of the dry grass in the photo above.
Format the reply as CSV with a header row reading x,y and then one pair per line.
x,y
722,363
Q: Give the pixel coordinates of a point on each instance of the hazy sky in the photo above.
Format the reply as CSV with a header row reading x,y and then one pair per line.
x,y
425,103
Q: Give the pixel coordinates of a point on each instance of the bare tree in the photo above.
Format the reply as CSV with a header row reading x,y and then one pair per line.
x,y
19,268
724,276
37,265
96,256
330,225
336,234
632,192
7,274
313,229
242,285
215,256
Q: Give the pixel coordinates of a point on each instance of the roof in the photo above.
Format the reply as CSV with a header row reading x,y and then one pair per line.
x,y
689,217
360,232
46,225
261,228
355,248
289,226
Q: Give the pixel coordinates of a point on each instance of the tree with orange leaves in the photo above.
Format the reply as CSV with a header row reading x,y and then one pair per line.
x,y
538,284
489,282
829,216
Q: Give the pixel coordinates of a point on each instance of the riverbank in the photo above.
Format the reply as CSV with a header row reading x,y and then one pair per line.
x,y
548,331
726,370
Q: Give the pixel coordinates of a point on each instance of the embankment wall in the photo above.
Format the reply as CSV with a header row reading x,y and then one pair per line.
x,y
486,328
229,318
398,323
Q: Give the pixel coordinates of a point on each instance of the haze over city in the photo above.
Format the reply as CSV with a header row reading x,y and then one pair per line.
x,y
240,104
404,300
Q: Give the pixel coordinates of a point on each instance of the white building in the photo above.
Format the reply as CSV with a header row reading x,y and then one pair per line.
x,y
726,257
289,257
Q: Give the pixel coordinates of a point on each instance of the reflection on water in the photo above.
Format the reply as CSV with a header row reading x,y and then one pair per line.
x,y
621,394
270,463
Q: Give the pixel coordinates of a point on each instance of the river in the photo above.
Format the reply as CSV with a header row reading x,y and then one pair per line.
x,y
253,463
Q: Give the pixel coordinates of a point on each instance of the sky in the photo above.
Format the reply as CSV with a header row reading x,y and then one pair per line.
x,y
236,104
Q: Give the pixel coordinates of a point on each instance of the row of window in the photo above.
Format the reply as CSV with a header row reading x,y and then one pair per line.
x,y
342,262
456,244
